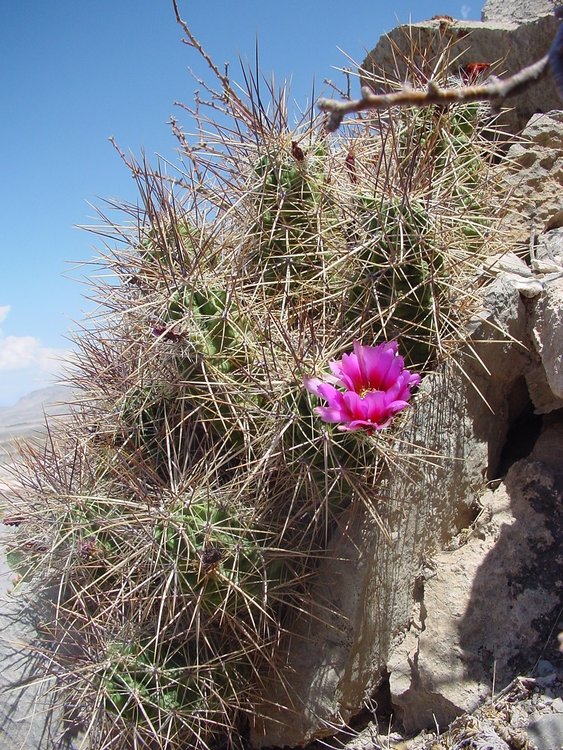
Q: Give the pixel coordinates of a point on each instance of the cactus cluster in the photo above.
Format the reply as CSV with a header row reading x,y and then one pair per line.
x,y
195,487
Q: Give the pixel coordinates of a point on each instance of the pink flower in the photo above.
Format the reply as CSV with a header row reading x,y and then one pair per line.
x,y
376,387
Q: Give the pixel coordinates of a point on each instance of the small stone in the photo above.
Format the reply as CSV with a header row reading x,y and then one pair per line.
x,y
547,732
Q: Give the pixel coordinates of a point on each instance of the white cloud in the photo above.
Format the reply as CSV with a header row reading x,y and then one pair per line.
x,y
465,11
25,364
20,352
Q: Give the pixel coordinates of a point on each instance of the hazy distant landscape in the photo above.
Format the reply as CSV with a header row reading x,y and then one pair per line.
x,y
26,418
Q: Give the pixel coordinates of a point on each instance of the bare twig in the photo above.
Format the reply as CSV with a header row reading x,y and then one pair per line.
x,y
228,92
193,42
494,90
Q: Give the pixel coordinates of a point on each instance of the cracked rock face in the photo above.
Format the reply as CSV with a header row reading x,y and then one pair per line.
x,y
487,605
517,10
30,718
534,179
363,596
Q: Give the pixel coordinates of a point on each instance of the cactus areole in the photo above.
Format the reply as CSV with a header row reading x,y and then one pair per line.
x,y
376,387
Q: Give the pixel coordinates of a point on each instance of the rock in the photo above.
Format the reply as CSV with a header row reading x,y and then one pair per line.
x,y
486,614
515,45
533,174
548,251
451,602
519,273
30,718
547,334
547,732
540,391
517,10
443,601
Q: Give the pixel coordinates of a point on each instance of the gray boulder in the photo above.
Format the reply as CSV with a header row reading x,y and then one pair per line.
x,y
532,179
481,611
517,10
468,578
368,586
31,717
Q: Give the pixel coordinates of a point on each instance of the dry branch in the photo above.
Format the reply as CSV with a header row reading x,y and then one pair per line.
x,y
494,90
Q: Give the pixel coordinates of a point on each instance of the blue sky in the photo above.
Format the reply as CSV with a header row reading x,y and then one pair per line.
x,y
72,74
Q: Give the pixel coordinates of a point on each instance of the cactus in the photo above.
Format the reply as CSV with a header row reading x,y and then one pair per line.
x,y
194,490
401,272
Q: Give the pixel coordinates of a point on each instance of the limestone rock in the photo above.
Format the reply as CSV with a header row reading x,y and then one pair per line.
x,y
547,334
519,272
549,250
534,177
485,614
377,609
517,10
540,391
447,598
547,732
514,45
30,718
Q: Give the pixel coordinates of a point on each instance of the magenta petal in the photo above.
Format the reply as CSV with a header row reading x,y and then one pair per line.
x,y
329,414
396,367
375,363
329,392
355,405
363,424
396,406
398,391
356,424
376,406
349,372
413,378
312,385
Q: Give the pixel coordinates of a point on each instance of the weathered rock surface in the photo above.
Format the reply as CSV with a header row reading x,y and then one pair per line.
x,y
30,719
547,335
545,379
534,179
508,43
487,605
517,10
364,595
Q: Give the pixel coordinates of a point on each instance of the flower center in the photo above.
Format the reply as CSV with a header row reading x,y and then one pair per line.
x,y
364,391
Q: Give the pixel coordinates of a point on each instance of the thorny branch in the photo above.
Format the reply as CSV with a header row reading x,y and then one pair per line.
x,y
223,78
494,90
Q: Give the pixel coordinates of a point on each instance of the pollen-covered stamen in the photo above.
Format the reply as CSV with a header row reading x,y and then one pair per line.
x,y
364,391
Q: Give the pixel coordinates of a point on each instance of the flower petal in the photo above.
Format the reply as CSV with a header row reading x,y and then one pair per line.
x,y
348,372
330,414
312,385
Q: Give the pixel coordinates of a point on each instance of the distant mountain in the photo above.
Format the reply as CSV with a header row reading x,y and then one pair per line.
x,y
27,417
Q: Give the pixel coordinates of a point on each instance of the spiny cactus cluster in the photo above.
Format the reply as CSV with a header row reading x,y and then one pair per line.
x,y
186,503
